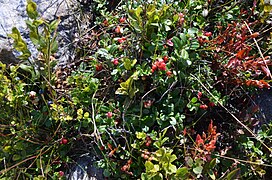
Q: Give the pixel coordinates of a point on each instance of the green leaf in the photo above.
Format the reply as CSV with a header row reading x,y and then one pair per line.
x,y
194,45
183,39
113,48
198,170
182,172
16,157
189,161
184,54
138,12
192,31
233,174
212,163
127,87
38,22
53,25
173,121
149,166
172,158
34,37
54,46
175,18
171,169
177,43
31,9
211,174
194,100
140,135
128,64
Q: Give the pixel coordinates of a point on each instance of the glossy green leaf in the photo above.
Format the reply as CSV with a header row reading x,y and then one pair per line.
x,y
177,43
233,174
183,39
184,54
212,163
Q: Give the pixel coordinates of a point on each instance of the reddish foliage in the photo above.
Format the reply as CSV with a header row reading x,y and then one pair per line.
x,y
233,45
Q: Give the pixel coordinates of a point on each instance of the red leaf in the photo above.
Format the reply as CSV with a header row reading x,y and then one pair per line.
x,y
241,54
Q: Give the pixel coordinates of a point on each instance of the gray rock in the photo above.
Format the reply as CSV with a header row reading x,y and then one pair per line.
x,y
13,14
264,101
85,170
6,54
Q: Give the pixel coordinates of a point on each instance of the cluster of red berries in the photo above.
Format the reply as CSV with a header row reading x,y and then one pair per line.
x,y
204,106
181,19
148,141
160,64
146,155
126,167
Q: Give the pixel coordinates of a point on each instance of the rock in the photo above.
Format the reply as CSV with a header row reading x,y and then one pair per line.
x,y
264,101
13,14
6,54
85,170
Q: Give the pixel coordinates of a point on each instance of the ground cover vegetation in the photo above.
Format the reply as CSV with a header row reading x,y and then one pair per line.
x,y
158,90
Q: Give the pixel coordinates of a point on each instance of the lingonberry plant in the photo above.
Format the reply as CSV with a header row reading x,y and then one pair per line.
x,y
159,91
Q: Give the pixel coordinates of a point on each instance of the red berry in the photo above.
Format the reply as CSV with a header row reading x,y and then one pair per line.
x,y
122,19
115,61
98,67
61,173
181,20
165,58
203,106
208,34
102,148
64,141
161,65
154,67
121,40
145,156
105,22
124,168
211,104
147,143
199,95
168,73
109,114
181,15
129,161
118,29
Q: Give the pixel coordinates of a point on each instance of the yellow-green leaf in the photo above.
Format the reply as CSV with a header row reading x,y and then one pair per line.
x,y
31,9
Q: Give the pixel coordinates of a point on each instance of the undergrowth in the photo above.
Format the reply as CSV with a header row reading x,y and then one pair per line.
x,y
159,90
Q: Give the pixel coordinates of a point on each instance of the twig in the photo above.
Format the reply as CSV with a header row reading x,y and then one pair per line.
x,y
172,85
96,132
141,109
